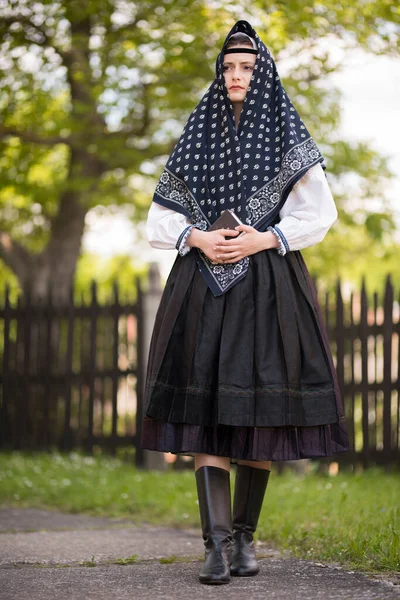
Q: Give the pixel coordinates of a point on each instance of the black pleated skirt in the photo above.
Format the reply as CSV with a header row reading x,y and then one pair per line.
x,y
247,375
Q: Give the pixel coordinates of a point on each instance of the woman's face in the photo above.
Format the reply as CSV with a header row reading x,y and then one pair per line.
x,y
238,69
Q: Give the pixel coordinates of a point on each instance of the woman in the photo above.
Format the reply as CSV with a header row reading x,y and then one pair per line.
x,y
239,365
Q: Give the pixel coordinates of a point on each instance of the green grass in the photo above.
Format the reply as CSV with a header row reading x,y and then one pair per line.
x,y
168,560
127,561
352,520
88,563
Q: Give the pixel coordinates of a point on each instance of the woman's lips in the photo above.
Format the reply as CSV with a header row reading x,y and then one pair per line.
x,y
236,87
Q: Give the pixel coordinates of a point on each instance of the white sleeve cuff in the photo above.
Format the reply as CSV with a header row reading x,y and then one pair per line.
x,y
283,247
181,242
181,245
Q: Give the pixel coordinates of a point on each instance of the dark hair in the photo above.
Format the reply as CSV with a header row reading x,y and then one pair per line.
x,y
239,39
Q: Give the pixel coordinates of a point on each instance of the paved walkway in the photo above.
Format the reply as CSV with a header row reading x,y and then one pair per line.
x,y
46,555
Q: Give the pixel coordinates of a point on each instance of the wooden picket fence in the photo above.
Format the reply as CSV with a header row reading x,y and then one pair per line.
x,y
73,377
365,339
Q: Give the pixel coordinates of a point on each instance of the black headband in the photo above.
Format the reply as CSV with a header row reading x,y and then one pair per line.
x,y
246,50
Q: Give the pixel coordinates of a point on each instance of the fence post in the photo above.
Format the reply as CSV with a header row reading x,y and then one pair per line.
x,y
364,374
4,409
387,369
94,313
149,459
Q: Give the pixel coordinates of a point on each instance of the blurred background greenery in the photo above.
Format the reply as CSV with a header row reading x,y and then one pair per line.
x,y
93,96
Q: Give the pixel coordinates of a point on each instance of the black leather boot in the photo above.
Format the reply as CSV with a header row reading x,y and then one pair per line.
x,y
214,493
250,486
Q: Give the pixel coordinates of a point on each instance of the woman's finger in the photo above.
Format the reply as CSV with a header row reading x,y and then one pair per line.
x,y
226,256
233,260
227,249
228,243
218,261
245,228
230,232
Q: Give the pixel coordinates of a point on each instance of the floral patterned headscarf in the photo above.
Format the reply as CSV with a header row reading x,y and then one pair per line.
x,y
252,170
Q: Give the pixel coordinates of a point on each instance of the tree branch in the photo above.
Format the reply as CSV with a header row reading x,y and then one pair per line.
x,y
31,136
142,130
25,21
132,157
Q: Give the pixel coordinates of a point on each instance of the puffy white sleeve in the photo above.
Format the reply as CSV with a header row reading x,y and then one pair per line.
x,y
307,214
165,227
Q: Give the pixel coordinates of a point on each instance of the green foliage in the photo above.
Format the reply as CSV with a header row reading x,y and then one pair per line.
x,y
350,519
94,94
121,269
7,277
349,252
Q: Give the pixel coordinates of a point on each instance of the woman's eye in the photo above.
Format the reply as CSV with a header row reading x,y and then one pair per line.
x,y
246,67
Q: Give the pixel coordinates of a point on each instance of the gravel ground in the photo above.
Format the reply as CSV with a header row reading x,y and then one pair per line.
x,y
50,555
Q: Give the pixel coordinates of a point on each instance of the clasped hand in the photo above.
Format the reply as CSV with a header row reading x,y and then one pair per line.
x,y
222,251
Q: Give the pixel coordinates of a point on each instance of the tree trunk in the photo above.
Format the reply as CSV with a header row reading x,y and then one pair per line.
x,y
55,267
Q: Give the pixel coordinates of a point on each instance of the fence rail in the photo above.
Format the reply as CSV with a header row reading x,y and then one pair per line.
x,y
73,377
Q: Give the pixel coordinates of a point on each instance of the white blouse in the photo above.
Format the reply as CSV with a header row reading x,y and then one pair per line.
x,y
306,217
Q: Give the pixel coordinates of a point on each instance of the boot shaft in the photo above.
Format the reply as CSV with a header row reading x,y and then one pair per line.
x,y
250,486
214,494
